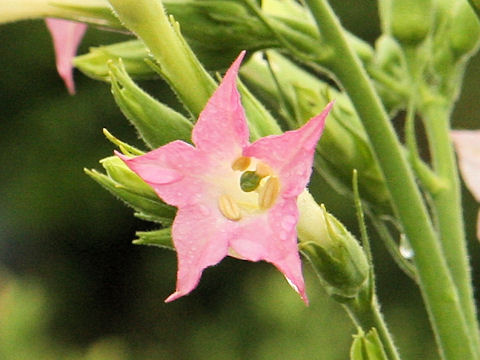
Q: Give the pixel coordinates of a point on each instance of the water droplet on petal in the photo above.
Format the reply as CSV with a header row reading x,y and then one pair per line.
x,y
405,249
292,284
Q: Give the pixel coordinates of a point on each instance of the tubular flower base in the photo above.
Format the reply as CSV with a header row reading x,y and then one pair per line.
x,y
234,198
66,37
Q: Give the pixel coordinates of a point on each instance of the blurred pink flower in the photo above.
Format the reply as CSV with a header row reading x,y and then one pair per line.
x,y
467,143
234,198
66,38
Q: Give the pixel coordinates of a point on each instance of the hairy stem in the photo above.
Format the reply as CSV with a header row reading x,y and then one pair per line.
x,y
367,316
438,289
448,210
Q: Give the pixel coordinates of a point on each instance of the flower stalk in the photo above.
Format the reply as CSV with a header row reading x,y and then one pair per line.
x,y
436,283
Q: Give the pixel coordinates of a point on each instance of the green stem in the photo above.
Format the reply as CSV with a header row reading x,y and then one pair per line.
x,y
448,208
438,289
149,21
367,315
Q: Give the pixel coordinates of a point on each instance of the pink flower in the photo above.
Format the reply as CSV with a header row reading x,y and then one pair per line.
x,y
66,38
467,143
234,198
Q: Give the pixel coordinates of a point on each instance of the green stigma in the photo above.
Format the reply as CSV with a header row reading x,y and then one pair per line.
x,y
249,181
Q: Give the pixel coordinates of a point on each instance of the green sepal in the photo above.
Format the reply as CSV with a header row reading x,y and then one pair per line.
x,y
338,259
161,238
367,347
121,174
125,148
156,123
128,187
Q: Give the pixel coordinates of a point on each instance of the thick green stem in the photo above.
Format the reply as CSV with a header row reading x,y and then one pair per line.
x,y
448,210
367,316
150,22
438,289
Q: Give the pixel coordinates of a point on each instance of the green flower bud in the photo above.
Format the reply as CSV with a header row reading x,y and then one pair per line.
x,y
411,20
128,187
156,123
367,347
464,32
335,254
132,54
389,55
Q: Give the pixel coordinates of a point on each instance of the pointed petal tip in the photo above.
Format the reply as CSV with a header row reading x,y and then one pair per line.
x,y
174,297
66,36
233,69
299,289
305,299
120,155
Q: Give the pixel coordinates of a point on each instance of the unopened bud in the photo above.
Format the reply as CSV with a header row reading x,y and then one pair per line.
x,y
464,32
156,123
411,20
335,254
128,187
367,347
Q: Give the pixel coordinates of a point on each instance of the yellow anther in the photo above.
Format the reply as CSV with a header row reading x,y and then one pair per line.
x,y
242,163
229,208
268,193
263,170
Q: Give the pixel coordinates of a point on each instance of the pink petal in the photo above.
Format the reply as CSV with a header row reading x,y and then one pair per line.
x,y
199,244
66,39
291,154
273,237
175,171
221,129
467,143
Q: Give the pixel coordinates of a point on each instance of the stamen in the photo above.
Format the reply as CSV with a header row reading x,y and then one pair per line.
x,y
229,208
268,193
242,163
263,170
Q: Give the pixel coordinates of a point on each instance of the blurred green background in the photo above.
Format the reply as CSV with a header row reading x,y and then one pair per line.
x,y
72,286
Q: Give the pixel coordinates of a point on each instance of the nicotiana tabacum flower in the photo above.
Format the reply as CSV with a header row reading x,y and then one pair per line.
x,y
233,198
66,37
467,144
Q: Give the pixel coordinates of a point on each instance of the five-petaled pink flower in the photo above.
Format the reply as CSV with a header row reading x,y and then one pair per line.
x,y
66,38
467,143
234,198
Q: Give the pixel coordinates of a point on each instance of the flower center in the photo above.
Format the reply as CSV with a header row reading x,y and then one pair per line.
x,y
256,189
